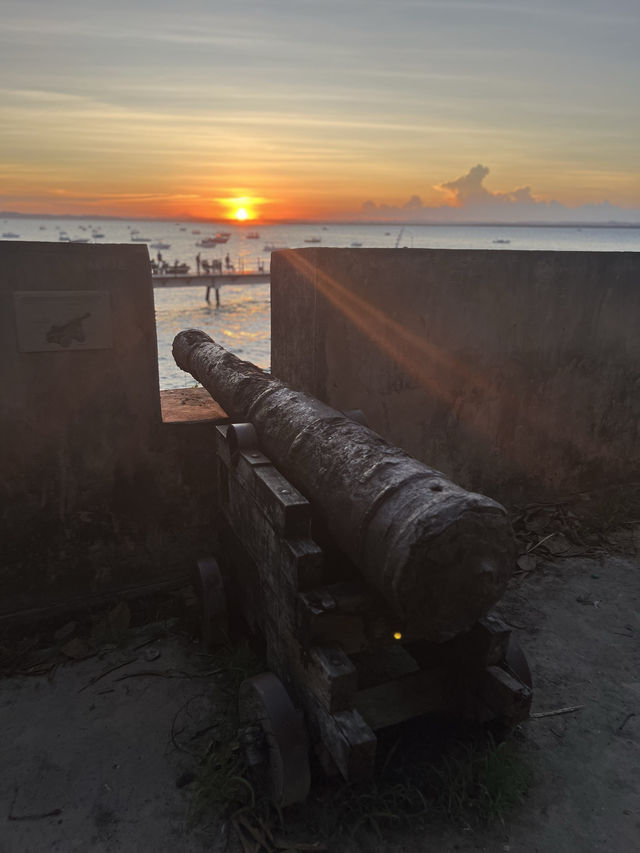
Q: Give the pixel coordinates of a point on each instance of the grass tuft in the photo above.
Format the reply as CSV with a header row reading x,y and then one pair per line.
x,y
427,772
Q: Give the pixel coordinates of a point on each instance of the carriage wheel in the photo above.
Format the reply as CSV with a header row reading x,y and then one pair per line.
x,y
214,622
275,739
516,661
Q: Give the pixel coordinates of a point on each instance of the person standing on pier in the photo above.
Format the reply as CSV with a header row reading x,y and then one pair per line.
x,y
198,262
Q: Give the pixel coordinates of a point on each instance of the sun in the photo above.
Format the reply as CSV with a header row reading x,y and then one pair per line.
x,y
241,207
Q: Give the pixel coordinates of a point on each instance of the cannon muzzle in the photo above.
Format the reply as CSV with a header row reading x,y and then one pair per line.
x,y
439,555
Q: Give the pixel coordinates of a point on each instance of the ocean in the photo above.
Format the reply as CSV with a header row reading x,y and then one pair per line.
x,y
242,321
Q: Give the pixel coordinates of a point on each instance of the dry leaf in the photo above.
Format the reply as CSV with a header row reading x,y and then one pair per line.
x,y
527,562
77,649
119,617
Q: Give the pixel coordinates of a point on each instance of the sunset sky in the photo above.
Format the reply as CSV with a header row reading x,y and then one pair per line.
x,y
331,109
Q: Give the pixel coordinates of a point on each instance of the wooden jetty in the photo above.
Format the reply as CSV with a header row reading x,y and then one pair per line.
x,y
211,281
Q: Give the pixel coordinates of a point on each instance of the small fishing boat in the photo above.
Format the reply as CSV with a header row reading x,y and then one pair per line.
x,y
313,239
252,235
160,245
9,235
208,242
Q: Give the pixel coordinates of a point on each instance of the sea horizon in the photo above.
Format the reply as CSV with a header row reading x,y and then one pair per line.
x,y
257,223
242,321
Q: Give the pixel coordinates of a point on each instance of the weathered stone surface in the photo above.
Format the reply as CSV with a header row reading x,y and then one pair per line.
x,y
97,495
516,373
440,555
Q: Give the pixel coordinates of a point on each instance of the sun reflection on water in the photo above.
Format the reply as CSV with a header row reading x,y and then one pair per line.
x,y
242,324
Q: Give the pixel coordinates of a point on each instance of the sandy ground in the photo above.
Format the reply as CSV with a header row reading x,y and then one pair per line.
x,y
92,760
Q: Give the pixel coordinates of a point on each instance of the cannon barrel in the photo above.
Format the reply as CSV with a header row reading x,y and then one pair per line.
x,y
441,556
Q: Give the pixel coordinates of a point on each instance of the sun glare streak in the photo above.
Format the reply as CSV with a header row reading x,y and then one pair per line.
x,y
438,372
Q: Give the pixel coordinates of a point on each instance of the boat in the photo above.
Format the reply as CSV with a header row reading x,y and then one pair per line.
x,y
97,235
252,235
160,245
272,247
195,232
502,241
313,239
78,240
356,245
9,235
208,242
141,239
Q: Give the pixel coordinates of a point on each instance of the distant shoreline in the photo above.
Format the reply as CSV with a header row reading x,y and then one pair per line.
x,y
11,214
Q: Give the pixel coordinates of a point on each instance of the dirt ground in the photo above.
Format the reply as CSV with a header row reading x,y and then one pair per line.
x,y
97,753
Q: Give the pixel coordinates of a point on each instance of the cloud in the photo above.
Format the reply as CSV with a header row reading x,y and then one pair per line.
x,y
468,189
414,203
468,200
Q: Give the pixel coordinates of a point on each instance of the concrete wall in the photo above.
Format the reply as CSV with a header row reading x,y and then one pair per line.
x,y
96,494
515,373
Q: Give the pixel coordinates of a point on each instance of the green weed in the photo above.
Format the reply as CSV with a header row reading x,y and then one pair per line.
x,y
427,772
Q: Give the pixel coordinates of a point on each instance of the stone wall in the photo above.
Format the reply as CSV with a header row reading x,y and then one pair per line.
x,y
97,495
515,373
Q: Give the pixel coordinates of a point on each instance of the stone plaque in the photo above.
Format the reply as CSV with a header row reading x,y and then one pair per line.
x,y
62,320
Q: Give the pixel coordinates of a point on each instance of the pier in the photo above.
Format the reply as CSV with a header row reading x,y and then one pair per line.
x,y
211,281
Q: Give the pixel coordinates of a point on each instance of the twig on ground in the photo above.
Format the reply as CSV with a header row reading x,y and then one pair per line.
x,y
173,732
283,844
513,624
541,542
36,816
568,710
148,642
41,816
174,673
97,678
253,831
625,721
243,839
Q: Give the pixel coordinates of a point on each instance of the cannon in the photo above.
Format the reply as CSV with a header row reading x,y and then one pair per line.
x,y
369,575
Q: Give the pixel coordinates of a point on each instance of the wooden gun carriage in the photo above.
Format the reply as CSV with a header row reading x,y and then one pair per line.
x,y
370,577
